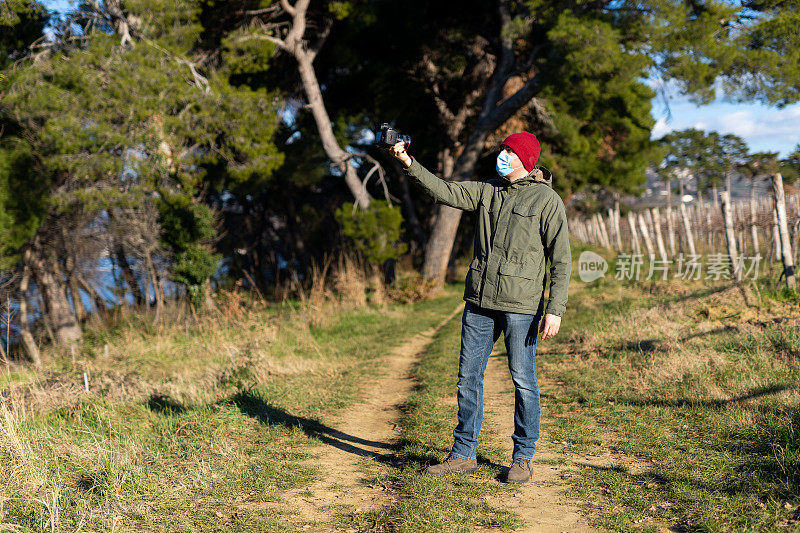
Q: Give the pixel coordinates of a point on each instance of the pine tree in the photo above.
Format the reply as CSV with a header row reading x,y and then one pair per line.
x,y
121,121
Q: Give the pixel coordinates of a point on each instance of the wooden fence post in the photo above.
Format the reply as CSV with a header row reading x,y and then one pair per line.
x,y
687,228
783,229
662,251
646,237
730,235
637,249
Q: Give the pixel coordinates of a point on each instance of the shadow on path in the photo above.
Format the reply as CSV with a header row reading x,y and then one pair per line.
x,y
253,406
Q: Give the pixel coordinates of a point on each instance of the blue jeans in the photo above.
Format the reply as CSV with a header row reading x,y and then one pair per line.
x,y
480,329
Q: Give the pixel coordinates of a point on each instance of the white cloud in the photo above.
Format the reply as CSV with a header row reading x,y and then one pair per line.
x,y
740,123
764,128
660,128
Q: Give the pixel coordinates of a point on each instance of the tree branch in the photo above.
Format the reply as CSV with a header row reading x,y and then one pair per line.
x,y
321,38
265,36
503,69
294,38
288,7
510,105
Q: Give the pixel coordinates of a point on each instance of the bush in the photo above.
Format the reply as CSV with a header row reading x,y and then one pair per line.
x,y
374,231
193,267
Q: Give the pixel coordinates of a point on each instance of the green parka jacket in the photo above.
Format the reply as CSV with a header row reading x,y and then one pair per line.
x,y
520,223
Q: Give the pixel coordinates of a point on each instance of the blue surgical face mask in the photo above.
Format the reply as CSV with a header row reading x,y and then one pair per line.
x,y
504,167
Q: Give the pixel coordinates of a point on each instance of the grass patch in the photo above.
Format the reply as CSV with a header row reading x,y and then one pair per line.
x,y
690,379
190,428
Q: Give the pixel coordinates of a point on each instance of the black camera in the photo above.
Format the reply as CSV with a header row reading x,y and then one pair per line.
x,y
387,137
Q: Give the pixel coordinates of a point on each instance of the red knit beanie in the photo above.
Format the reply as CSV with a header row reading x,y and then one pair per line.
x,y
526,146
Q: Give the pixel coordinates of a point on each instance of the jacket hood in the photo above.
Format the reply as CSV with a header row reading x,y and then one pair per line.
x,y
538,173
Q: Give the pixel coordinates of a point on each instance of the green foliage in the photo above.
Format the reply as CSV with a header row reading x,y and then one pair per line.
x,y
21,23
601,108
340,9
374,231
193,266
760,165
23,183
185,222
709,157
23,197
185,226
724,154
590,59
243,52
790,167
134,126
683,150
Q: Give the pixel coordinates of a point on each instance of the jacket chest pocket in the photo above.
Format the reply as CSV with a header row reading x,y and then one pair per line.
x,y
523,228
491,212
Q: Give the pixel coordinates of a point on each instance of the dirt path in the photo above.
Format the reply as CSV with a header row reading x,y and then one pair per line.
x,y
362,439
541,503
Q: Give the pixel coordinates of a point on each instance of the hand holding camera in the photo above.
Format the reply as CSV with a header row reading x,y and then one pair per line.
x,y
399,152
396,143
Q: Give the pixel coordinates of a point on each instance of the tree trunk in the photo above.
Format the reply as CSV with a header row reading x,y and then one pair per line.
x,y
294,42
597,232
128,274
158,289
75,291
783,229
497,108
614,230
26,337
730,235
796,242
440,242
410,215
776,239
604,229
597,221
99,301
56,305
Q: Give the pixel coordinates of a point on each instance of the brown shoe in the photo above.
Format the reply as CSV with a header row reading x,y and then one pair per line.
x,y
520,471
453,464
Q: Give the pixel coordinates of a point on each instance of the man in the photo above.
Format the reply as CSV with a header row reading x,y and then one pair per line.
x,y
521,222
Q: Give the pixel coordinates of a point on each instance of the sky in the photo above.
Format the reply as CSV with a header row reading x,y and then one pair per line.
x,y
766,129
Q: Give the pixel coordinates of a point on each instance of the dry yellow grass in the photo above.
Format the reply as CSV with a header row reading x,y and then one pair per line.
x,y
671,340
197,358
195,405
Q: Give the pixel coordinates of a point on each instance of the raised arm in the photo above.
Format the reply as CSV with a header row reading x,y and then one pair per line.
x,y
459,194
